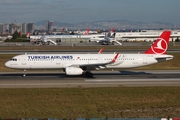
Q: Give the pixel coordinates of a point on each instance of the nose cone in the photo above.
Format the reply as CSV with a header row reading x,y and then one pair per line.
x,y
7,64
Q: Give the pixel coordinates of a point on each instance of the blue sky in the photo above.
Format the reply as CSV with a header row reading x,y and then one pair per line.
x,y
75,11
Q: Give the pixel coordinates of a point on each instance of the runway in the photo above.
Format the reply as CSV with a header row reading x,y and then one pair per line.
x,y
100,79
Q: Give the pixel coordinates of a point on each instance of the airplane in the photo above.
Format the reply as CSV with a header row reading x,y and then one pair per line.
x,y
105,40
43,39
83,64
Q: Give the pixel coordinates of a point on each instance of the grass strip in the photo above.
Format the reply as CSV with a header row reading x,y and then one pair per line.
x,y
108,102
70,48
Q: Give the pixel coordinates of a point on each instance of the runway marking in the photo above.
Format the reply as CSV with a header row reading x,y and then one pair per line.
x,y
134,80
100,80
91,82
56,84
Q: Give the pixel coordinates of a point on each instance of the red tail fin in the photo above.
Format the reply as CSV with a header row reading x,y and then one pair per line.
x,y
42,32
160,45
28,34
100,51
87,32
112,30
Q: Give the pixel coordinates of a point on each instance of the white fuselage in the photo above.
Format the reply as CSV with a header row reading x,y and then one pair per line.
x,y
57,61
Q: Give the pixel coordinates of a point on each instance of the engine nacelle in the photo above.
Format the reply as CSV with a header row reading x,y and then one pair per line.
x,y
73,71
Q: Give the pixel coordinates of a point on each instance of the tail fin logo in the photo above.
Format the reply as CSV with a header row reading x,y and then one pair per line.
x,y
160,47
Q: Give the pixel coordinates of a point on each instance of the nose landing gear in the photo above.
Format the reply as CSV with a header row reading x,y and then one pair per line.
x,y
24,73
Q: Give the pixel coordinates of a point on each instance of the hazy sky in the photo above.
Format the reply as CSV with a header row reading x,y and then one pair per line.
x,y
75,11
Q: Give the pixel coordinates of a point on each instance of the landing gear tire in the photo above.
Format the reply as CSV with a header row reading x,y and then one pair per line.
x,y
89,75
24,75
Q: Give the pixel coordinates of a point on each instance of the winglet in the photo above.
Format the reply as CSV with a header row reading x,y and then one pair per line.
x,y
160,45
100,51
115,58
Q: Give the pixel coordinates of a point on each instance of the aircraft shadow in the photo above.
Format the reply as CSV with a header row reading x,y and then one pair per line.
x,y
63,75
123,72
133,73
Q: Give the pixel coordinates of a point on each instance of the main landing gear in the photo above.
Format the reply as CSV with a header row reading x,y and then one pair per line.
x,y
88,74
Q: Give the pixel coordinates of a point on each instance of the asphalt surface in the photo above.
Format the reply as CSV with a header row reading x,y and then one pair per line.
x,y
100,79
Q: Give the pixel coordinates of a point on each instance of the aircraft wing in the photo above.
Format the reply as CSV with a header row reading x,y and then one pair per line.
x,y
96,65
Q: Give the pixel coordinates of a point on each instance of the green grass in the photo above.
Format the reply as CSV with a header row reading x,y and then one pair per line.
x,y
90,102
145,47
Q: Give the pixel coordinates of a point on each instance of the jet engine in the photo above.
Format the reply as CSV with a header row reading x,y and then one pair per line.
x,y
73,71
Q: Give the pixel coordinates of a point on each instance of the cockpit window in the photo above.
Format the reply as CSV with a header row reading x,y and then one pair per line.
x,y
13,59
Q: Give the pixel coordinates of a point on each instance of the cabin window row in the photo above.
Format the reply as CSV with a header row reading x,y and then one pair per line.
x,y
58,59
121,59
71,59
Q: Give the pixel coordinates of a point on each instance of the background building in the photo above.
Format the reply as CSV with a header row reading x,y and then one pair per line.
x,y
30,27
14,27
25,28
4,28
49,26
